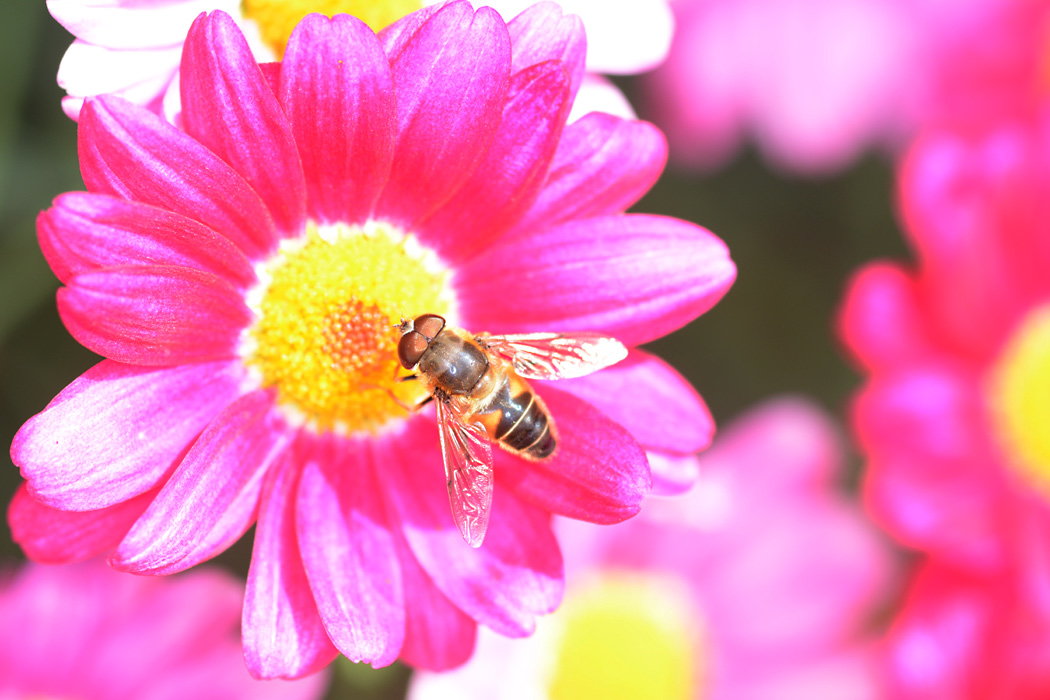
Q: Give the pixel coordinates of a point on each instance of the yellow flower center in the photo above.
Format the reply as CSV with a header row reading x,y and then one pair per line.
x,y
627,637
325,334
1021,398
277,18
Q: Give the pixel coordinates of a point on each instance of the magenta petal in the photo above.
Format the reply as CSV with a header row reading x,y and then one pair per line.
x,y
542,32
115,431
85,232
132,153
603,165
211,499
517,572
635,277
53,536
598,473
510,177
349,552
154,315
438,635
228,106
652,400
338,93
451,77
282,630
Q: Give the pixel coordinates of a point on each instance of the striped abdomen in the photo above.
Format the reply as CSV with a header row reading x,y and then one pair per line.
x,y
516,418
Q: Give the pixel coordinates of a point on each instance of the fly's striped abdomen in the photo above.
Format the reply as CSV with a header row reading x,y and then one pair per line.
x,y
518,420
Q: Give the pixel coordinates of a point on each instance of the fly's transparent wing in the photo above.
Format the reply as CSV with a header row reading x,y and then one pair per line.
x,y
556,355
467,455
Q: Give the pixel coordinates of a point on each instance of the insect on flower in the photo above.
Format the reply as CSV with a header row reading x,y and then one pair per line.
x,y
482,396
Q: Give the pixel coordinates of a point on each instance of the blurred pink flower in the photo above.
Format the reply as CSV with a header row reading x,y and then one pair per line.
x,y
131,48
815,82
962,636
953,418
757,585
84,631
242,280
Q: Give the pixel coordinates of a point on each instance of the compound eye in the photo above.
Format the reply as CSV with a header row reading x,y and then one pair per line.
x,y
429,325
410,348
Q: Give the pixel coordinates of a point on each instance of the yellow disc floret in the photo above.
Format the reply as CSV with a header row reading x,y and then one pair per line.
x,y
277,18
326,330
1021,398
626,637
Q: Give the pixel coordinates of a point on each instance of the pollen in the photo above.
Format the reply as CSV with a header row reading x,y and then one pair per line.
x,y
325,334
627,636
277,18
1021,399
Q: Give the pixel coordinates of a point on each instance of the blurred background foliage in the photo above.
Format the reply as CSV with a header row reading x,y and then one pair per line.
x,y
795,242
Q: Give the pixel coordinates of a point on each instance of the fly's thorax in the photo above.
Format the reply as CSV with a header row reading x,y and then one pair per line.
x,y
453,362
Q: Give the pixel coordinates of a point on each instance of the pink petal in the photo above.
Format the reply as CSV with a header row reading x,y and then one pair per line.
x,y
786,443
271,71
154,314
131,153
52,536
283,633
635,277
140,76
882,321
396,37
438,635
603,165
598,472
933,479
338,93
599,94
85,232
828,565
128,25
512,172
211,499
516,573
543,32
349,551
673,474
964,233
228,107
632,36
451,77
652,400
115,431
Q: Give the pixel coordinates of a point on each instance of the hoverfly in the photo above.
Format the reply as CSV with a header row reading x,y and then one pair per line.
x,y
478,383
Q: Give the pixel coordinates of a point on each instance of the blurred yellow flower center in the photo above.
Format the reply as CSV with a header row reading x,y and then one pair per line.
x,y
277,18
1021,398
325,334
626,637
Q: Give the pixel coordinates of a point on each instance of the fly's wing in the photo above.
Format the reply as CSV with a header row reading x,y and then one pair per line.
x,y
556,355
467,455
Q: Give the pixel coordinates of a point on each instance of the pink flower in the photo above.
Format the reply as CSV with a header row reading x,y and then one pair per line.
x,y
131,48
962,636
242,280
816,82
813,81
754,585
87,632
953,416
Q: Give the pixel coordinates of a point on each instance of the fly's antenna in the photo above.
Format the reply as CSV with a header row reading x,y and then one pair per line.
x,y
405,324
